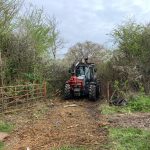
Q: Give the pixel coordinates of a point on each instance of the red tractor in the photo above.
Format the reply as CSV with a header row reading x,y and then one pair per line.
x,y
83,81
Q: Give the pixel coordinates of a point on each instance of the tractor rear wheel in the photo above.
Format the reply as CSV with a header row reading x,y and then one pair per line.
x,y
98,91
67,92
92,92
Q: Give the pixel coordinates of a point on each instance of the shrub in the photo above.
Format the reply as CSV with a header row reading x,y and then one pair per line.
x,y
141,103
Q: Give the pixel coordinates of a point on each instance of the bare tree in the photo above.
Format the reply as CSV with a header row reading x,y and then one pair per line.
x,y
57,41
93,51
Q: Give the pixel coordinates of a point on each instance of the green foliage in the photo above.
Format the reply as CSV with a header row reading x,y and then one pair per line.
x,y
138,104
37,29
120,89
141,103
5,127
132,57
105,71
129,138
57,75
29,46
108,110
8,10
128,36
1,145
31,77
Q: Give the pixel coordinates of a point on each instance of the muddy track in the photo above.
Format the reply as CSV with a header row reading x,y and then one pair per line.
x,y
66,123
135,120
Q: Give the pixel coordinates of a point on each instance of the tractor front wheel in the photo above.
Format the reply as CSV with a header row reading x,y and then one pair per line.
x,y
92,92
67,92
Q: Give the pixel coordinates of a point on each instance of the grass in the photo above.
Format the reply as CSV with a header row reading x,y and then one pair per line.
x,y
107,110
1,145
5,127
141,103
138,104
129,139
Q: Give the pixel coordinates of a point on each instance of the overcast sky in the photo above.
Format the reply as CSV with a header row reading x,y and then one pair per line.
x,y
81,20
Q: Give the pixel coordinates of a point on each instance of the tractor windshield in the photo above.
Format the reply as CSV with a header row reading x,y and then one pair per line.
x,y
80,71
86,71
83,70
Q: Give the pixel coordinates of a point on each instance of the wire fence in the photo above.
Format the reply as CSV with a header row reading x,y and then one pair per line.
x,y
14,97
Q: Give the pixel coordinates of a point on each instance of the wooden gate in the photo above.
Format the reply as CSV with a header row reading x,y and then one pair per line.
x,y
12,97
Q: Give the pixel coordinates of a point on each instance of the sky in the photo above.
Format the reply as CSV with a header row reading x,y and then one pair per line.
x,y
93,20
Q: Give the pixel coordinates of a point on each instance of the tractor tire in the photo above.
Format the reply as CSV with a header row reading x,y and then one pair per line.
x,y
98,91
92,92
67,92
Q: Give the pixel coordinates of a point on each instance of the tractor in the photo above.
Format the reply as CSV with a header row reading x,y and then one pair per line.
x,y
83,81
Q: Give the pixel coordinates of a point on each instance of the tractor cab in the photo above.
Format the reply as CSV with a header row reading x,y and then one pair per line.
x,y
87,71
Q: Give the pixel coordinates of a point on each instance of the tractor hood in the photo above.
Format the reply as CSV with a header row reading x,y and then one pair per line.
x,y
74,80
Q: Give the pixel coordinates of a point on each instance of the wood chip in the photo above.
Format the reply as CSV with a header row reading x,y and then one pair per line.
x,y
73,105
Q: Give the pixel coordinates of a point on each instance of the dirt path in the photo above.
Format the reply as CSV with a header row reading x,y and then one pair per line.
x,y
71,123
67,123
135,120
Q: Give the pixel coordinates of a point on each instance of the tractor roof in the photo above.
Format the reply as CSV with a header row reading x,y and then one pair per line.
x,y
85,64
